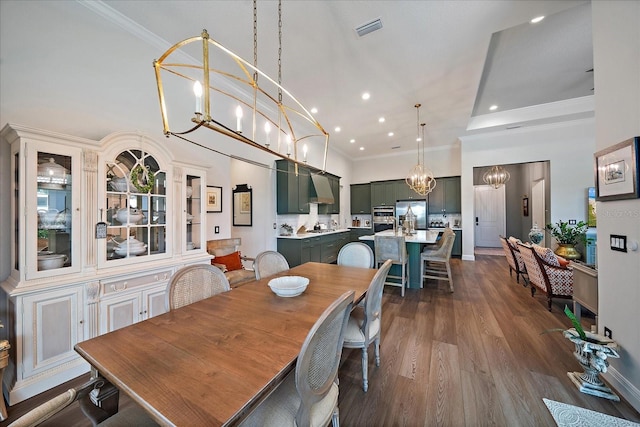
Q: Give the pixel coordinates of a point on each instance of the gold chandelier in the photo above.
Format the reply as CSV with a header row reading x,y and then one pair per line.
x,y
496,177
420,179
221,74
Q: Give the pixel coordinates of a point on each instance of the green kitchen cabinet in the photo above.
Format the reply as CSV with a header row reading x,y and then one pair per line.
x,y
445,197
456,251
293,191
360,199
383,193
318,248
403,192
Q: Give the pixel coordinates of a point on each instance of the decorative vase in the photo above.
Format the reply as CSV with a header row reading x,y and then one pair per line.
x,y
536,235
567,251
592,355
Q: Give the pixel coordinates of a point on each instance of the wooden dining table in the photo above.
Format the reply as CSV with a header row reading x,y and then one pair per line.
x,y
211,362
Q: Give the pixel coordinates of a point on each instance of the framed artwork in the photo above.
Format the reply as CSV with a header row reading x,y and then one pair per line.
x,y
214,199
616,170
525,206
242,205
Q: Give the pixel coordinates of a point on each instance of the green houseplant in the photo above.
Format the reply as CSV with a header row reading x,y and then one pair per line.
x,y
568,236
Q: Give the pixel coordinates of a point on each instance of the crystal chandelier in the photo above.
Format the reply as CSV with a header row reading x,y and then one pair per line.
x,y
496,177
420,179
220,74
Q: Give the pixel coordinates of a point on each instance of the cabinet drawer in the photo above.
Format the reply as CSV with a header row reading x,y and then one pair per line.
x,y
112,286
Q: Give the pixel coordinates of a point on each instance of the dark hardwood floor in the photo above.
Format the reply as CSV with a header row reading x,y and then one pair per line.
x,y
472,358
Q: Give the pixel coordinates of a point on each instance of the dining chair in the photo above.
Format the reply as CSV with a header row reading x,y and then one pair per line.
x,y
194,283
356,254
102,413
308,396
545,272
395,249
365,323
436,265
268,263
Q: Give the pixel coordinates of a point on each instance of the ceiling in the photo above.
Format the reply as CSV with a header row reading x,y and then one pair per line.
x,y
92,61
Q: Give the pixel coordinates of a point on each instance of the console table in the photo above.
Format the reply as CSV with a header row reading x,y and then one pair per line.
x,y
585,289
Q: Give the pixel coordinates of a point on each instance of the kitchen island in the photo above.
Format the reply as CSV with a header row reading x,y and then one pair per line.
x,y
414,243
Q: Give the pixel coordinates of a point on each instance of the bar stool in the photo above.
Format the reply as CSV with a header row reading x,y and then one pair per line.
x,y
395,249
435,265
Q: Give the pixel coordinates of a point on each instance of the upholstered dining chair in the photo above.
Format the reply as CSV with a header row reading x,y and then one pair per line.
x,y
309,395
395,249
545,272
268,263
514,259
194,283
356,254
365,323
105,413
436,265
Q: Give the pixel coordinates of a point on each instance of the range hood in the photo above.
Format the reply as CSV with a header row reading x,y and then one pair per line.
x,y
324,195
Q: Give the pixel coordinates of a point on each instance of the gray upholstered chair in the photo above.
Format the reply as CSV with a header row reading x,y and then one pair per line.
x,y
430,249
194,283
365,323
436,265
395,249
309,396
268,263
356,254
105,415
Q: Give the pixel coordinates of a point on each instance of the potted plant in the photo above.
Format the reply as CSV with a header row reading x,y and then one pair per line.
x,y
287,230
568,236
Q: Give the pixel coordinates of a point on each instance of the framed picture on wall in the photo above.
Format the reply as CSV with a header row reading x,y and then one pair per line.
x,y
214,199
616,170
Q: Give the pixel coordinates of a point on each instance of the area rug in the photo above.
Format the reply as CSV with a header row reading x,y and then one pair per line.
x,y
574,416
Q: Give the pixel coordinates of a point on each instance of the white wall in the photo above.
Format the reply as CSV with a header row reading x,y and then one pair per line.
x,y
441,161
569,148
616,43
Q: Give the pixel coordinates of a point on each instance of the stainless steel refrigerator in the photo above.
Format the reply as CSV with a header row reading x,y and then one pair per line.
x,y
419,209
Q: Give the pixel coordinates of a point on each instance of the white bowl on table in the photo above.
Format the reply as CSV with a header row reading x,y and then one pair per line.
x,y
288,286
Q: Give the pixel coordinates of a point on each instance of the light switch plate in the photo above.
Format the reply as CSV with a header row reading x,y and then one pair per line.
x,y
618,243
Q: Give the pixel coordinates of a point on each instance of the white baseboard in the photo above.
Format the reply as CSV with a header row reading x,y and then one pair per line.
x,y
622,386
468,257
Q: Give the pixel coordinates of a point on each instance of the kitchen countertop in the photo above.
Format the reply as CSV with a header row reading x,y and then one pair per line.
x,y
442,228
421,236
361,228
312,234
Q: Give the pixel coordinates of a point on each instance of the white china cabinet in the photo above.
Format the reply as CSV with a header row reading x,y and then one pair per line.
x,y
94,232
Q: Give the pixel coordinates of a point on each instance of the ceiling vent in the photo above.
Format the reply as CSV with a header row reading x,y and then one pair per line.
x,y
369,27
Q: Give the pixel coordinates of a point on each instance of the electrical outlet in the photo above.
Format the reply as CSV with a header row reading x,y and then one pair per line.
x,y
572,222
216,229
607,333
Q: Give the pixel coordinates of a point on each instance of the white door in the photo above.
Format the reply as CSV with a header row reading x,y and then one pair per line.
x,y
489,206
537,205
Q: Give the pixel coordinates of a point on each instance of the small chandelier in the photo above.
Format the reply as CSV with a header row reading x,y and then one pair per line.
x,y
496,177
224,75
420,179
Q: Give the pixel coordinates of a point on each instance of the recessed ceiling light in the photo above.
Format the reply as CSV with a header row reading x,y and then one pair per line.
x,y
361,148
537,19
366,96
493,107
337,129
314,110
390,134
418,139
381,120
352,141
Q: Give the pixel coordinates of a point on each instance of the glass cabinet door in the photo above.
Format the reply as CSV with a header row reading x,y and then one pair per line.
x,y
193,212
54,207
136,206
